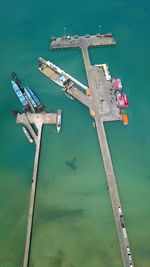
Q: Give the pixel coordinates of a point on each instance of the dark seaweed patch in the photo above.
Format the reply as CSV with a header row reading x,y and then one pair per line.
x,y
64,214
58,259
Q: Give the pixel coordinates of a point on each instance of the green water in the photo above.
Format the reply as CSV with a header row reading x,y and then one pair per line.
x,y
73,222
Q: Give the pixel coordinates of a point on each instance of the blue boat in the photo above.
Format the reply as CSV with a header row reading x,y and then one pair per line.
x,y
30,97
37,101
19,94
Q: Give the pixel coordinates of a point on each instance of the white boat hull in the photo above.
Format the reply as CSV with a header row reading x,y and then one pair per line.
x,y
59,115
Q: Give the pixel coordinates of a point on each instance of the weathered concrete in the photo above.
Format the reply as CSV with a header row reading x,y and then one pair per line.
x,y
100,91
92,40
32,198
38,119
23,119
82,97
104,110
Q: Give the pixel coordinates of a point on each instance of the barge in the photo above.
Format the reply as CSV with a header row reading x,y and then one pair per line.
x,y
57,75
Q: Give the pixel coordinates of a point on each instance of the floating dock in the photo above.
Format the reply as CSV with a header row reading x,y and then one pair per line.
x,y
38,119
104,109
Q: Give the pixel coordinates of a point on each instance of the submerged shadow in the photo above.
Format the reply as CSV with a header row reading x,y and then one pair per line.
x,y
72,163
64,214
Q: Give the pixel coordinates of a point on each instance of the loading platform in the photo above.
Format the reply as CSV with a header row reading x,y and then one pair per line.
x,y
82,41
102,103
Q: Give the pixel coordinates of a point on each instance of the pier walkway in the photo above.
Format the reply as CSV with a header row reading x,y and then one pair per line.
x,y
83,98
87,40
100,90
105,110
32,198
38,119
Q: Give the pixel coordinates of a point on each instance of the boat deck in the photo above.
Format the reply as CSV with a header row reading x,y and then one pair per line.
x,y
49,72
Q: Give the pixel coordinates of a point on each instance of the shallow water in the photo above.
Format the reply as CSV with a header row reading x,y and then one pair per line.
x,y
73,223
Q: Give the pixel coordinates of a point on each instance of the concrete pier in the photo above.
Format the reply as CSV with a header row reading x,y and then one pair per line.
x,y
29,118
65,42
83,98
105,110
38,119
23,119
32,198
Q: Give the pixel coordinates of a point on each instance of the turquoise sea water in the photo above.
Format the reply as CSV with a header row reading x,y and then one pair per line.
x,y
73,222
